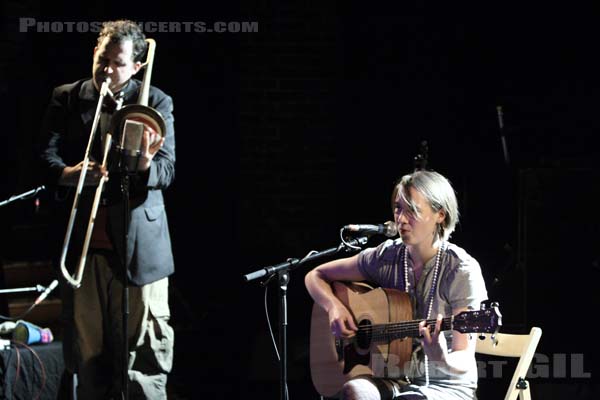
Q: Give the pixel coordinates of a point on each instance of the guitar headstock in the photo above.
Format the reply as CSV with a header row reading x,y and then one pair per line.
x,y
486,320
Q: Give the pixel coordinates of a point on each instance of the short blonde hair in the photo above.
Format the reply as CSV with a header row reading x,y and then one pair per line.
x,y
439,194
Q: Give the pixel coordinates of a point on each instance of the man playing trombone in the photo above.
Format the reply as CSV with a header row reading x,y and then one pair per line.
x,y
92,307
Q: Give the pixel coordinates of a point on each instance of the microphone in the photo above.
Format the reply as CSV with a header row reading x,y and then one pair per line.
x,y
43,296
388,229
131,143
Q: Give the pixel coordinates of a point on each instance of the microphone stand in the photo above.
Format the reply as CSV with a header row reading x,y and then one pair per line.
x,y
125,298
126,173
37,288
282,271
22,196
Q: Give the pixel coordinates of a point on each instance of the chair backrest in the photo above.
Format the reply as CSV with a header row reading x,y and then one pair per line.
x,y
509,345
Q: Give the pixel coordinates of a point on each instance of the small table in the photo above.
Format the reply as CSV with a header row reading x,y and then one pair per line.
x,y
35,371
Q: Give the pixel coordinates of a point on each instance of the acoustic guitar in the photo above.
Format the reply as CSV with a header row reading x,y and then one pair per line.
x,y
382,345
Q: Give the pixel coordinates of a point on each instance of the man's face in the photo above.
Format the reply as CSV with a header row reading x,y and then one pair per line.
x,y
114,60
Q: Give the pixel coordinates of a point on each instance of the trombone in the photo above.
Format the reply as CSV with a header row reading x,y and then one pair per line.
x,y
140,113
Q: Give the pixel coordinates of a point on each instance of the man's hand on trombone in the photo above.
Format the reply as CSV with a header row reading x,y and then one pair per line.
x,y
70,174
151,143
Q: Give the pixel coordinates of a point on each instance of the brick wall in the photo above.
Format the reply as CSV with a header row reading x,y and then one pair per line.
x,y
289,75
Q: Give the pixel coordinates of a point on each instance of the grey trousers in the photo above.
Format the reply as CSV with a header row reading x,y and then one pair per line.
x,y
370,388
93,336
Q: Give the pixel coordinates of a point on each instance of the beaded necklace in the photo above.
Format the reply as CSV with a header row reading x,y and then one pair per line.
x,y
436,270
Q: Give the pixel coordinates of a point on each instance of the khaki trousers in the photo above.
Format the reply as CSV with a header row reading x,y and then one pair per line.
x,y
93,337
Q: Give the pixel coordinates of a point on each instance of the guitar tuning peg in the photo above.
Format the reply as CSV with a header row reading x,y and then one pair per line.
x,y
482,306
481,336
495,304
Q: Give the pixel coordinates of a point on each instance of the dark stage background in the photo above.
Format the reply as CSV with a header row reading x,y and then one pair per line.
x,y
287,134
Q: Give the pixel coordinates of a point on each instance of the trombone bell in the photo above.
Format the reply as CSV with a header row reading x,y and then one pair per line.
x,y
139,113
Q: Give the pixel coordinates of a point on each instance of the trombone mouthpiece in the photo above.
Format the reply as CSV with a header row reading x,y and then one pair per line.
x,y
104,90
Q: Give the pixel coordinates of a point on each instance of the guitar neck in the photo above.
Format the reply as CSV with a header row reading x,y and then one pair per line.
x,y
400,330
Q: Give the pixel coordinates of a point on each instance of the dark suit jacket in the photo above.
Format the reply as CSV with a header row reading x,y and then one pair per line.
x,y
65,134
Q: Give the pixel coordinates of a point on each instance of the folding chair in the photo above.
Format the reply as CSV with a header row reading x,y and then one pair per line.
x,y
518,346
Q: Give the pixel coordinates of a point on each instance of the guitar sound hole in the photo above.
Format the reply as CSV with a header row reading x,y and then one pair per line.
x,y
363,337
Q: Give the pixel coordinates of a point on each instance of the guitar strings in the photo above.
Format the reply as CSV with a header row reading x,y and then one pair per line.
x,y
378,332
402,325
384,330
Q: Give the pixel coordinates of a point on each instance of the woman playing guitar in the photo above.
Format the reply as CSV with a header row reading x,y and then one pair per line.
x,y
440,279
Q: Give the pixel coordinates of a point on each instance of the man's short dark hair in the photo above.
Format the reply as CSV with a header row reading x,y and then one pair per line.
x,y
123,30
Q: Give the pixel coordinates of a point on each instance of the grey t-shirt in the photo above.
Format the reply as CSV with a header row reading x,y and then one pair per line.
x,y
460,284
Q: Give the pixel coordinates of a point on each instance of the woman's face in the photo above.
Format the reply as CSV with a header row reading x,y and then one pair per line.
x,y
416,226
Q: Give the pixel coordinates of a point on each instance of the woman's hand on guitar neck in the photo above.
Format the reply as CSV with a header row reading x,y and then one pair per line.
x,y
434,344
341,322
